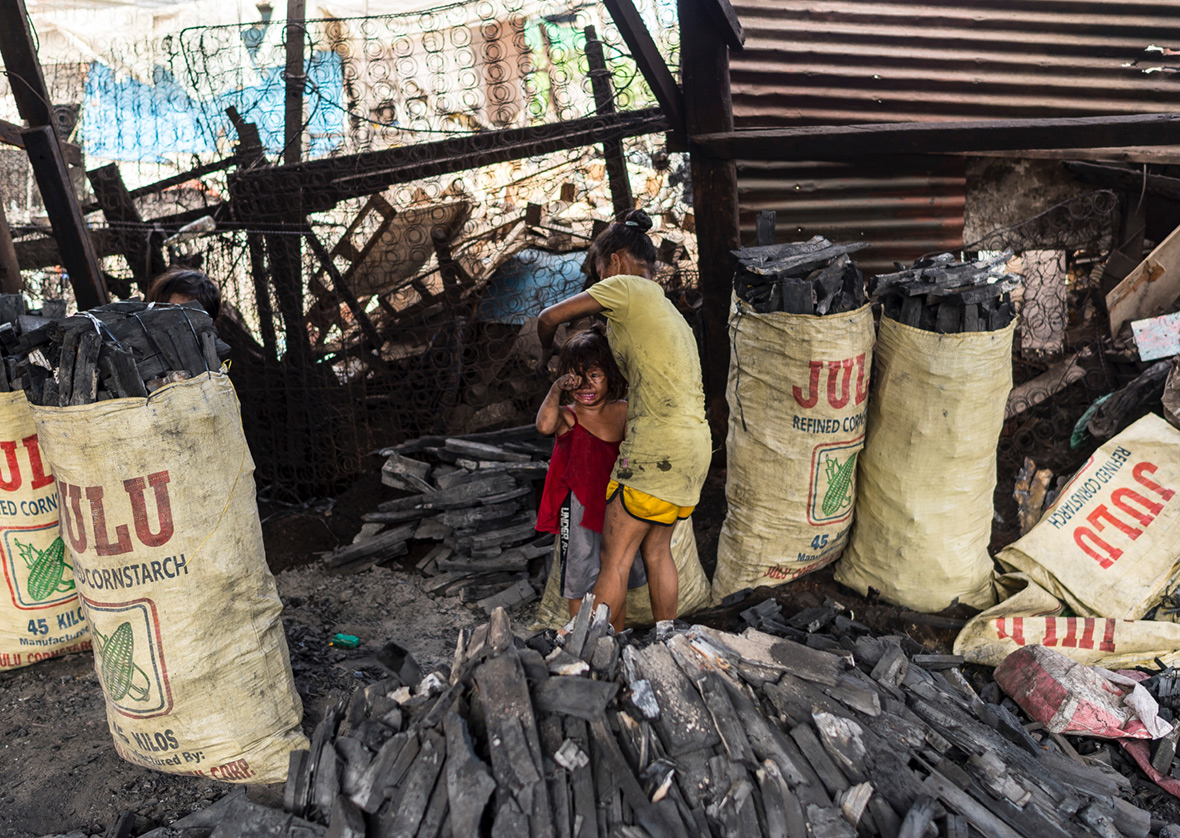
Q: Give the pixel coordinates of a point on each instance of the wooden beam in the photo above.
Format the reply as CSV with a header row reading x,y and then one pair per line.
x,y
838,142
704,66
321,184
65,215
10,281
342,289
727,22
1166,155
24,70
604,103
140,246
647,57
1132,180
10,135
296,80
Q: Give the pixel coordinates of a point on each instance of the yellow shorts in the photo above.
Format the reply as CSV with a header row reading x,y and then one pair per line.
x,y
643,506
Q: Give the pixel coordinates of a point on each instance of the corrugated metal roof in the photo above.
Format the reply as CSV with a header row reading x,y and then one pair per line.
x,y
910,208
822,62
816,63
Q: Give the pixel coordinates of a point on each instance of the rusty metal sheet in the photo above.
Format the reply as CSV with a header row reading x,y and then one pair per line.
x,y
903,210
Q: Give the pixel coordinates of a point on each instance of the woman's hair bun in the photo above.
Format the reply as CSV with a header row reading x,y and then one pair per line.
x,y
636,219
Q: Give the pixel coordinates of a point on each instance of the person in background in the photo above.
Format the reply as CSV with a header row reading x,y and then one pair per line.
x,y
665,455
589,431
184,285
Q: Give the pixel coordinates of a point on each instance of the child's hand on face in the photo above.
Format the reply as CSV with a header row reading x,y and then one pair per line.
x,y
569,381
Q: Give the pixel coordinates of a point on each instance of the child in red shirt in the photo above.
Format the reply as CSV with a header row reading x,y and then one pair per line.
x,y
589,431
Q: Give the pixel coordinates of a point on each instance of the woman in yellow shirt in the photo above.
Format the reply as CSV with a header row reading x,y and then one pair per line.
x,y
665,456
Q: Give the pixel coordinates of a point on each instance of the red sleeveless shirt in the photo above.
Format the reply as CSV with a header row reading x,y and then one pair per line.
x,y
582,464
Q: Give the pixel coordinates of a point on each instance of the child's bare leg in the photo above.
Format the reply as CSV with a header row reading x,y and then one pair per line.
x,y
662,581
621,536
575,606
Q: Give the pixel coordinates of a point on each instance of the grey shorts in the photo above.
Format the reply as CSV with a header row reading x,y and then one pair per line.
x,y
580,554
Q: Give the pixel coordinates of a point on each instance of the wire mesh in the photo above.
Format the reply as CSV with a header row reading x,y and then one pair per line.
x,y
366,308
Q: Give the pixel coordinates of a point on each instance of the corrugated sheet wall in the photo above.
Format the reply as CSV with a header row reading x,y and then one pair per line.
x,y
817,63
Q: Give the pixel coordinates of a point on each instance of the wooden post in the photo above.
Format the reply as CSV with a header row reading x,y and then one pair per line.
x,y
266,318
65,216
604,102
45,153
709,108
140,247
296,80
10,281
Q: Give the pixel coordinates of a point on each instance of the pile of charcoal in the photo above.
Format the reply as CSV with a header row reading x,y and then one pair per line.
x,y
473,510
113,351
941,294
17,324
811,277
695,731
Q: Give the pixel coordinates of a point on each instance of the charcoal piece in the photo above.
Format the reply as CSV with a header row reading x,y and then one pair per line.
x,y
519,594
118,367
794,263
798,296
188,348
455,497
295,792
508,709
891,666
1164,751
763,228
65,374
829,773
574,696
911,312
346,820
385,771
828,283
716,701
355,758
245,819
379,545
684,723
581,781
482,451
949,319
466,517
416,788
12,306
575,641
469,783
598,628
438,811
827,823
400,662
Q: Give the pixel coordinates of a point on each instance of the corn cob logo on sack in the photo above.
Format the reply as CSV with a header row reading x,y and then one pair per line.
x,y
160,524
798,395
40,615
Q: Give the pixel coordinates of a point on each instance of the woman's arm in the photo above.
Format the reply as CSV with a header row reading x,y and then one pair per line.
x,y
571,308
550,417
